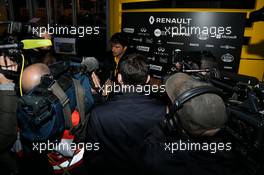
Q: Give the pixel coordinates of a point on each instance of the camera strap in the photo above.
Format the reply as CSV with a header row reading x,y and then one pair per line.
x,y
64,100
79,93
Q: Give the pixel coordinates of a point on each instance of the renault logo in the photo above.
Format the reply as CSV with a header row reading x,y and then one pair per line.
x,y
151,20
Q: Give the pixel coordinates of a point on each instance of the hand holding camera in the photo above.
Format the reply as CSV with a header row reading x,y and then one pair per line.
x,y
6,64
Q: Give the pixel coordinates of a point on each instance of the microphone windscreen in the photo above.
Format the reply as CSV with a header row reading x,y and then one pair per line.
x,y
36,43
91,64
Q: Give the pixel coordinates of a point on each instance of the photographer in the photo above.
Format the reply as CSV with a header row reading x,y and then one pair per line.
x,y
189,140
8,120
69,116
31,161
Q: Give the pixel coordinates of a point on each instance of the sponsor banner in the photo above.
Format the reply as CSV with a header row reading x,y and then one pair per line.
x,y
159,34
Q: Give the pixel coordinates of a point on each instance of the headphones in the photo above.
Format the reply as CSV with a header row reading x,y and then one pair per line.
x,y
171,121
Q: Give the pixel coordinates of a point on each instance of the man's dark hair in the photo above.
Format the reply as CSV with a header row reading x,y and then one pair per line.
x,y
134,69
120,38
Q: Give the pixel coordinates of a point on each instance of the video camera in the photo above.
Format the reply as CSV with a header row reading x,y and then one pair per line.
x,y
246,124
15,28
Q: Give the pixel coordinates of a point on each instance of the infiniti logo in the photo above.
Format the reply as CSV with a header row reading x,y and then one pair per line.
x,y
161,49
143,30
151,20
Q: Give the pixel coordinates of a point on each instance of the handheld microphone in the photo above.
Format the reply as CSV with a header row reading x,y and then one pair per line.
x,y
28,44
89,65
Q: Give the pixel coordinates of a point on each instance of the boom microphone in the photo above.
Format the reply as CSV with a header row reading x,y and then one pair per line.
x,y
28,44
195,70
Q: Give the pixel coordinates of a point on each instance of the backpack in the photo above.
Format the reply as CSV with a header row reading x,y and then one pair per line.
x,y
45,112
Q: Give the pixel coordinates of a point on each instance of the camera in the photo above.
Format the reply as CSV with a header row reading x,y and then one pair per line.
x,y
18,27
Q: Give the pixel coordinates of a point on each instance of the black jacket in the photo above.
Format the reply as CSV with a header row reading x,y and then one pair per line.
x,y
8,128
164,155
119,127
